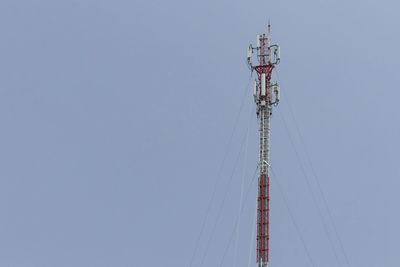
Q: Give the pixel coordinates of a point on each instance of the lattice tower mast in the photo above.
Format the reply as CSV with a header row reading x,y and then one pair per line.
x,y
266,96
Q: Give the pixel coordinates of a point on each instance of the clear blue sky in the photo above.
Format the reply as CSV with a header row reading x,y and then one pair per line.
x,y
116,115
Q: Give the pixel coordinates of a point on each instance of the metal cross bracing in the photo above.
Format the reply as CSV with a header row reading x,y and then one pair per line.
x,y
266,95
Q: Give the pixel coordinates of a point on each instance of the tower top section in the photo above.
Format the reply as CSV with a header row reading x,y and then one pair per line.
x,y
265,53
266,56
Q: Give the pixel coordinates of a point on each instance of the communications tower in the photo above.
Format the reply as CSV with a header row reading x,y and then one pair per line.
x,y
266,96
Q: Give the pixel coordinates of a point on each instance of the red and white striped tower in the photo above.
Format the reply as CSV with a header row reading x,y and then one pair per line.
x,y
266,95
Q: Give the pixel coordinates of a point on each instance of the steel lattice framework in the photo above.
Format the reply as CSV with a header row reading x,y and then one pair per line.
x,y
266,95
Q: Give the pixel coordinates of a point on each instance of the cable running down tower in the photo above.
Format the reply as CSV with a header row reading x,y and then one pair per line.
x,y
266,96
